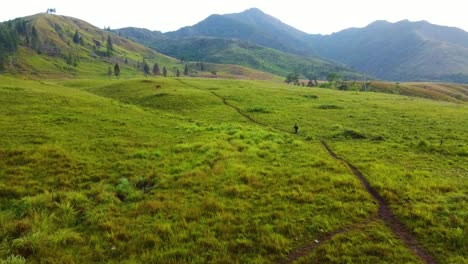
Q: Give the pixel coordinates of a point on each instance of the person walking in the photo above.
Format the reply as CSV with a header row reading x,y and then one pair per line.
x,y
296,128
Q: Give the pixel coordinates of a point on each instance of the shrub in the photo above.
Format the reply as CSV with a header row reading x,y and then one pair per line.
x,y
329,106
125,191
258,109
350,133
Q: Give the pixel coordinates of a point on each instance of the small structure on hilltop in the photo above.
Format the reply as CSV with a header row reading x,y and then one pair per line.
x,y
51,11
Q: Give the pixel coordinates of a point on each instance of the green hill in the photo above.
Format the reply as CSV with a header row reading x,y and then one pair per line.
x,y
230,51
52,51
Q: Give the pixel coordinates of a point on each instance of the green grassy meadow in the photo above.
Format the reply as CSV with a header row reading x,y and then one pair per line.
x,y
117,171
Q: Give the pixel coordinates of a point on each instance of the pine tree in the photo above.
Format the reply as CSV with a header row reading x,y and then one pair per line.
x,y
146,68
76,37
109,46
117,70
186,71
156,69
164,71
177,72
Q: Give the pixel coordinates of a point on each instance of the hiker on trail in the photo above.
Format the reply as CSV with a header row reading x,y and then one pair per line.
x,y
296,127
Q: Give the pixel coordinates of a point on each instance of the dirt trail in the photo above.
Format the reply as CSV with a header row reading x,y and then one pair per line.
x,y
384,212
308,248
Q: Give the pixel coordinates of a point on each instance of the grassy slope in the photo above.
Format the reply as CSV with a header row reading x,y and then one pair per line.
x,y
400,152
449,92
226,51
56,37
119,171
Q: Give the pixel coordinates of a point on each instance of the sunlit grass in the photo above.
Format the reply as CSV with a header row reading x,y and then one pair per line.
x,y
120,171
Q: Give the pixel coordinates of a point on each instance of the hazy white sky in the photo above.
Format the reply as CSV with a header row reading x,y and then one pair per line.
x,y
310,16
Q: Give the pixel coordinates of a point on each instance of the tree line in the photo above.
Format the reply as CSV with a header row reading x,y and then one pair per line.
x,y
145,68
12,34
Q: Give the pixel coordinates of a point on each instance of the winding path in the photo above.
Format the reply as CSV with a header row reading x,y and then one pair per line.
x,y
384,212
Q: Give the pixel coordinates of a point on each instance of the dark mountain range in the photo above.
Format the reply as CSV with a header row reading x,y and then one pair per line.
x,y
251,25
402,51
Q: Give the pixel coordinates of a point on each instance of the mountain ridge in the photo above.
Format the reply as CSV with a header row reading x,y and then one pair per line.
x,y
400,51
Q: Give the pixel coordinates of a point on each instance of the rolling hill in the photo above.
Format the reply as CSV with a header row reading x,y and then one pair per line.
x,y
233,51
208,170
58,46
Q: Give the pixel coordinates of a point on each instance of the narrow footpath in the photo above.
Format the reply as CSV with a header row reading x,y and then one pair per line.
x,y
384,212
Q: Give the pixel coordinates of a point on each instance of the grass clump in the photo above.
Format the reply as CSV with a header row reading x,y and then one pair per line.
x,y
258,109
329,106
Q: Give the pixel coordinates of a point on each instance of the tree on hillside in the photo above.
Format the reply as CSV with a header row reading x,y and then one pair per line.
x,y
8,43
164,71
109,46
177,72
156,69
186,71
292,78
333,78
117,70
146,68
76,37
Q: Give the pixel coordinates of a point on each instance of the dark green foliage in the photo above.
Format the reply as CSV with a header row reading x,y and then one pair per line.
x,y
146,68
292,78
109,46
117,70
164,71
177,72
156,70
350,133
76,37
8,42
329,106
186,70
